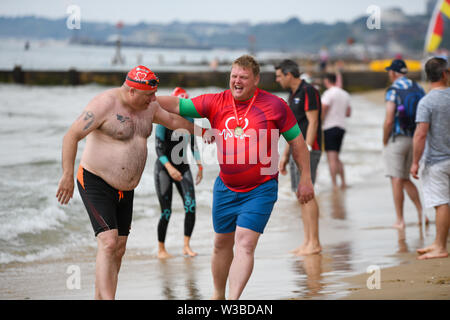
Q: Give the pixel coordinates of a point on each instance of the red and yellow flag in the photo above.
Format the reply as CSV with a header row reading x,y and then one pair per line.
x,y
436,26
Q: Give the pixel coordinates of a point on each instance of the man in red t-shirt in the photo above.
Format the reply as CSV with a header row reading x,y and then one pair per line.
x,y
246,123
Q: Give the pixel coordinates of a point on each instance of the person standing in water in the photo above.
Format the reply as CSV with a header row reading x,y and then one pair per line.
x,y
172,168
116,124
432,139
402,98
304,101
336,107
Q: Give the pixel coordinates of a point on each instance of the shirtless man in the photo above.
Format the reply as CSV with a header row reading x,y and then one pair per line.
x,y
117,124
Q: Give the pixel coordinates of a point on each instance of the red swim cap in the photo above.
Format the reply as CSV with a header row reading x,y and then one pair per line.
x,y
180,93
142,78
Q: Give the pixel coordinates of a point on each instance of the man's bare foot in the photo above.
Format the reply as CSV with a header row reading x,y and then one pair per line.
x,y
164,255
309,250
399,225
187,251
298,249
426,249
434,254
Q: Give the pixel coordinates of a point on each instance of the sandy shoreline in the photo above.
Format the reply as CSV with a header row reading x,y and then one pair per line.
x,y
412,280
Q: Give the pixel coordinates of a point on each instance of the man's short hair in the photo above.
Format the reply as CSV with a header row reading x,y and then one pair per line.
x,y
248,62
331,77
287,66
434,68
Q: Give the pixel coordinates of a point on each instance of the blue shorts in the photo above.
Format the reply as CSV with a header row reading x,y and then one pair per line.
x,y
249,210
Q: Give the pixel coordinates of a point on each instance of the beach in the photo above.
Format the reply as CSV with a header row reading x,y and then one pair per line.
x,y
45,247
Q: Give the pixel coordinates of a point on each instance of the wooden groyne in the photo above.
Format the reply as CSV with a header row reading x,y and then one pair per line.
x,y
354,81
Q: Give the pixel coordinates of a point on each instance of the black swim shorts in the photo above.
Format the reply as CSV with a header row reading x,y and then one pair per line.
x,y
108,208
333,139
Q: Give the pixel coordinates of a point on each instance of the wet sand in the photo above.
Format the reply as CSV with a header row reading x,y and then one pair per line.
x,y
412,280
355,231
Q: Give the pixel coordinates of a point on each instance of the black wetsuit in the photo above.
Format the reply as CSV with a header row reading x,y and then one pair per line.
x,y
170,147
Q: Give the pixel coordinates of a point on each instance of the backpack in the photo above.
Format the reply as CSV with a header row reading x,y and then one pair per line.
x,y
406,106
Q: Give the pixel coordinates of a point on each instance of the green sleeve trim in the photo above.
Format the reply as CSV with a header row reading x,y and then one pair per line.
x,y
163,159
187,109
292,133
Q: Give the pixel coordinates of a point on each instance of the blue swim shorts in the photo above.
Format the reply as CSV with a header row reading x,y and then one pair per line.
x,y
250,210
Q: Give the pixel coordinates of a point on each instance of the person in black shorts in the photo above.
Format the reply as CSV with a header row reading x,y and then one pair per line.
x,y
333,139
116,206
169,171
336,108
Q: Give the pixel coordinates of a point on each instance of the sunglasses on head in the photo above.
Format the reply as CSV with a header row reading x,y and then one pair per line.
x,y
151,82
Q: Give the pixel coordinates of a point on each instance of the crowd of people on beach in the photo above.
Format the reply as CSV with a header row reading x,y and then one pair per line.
x,y
245,120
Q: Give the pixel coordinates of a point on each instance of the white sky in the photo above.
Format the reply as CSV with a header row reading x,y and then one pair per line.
x,y
166,11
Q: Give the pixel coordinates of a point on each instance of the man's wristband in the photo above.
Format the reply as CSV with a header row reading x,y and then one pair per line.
x,y
200,167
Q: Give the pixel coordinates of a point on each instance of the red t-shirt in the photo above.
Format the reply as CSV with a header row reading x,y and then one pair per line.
x,y
251,159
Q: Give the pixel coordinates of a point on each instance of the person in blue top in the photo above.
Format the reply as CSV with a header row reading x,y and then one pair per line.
x,y
402,98
171,168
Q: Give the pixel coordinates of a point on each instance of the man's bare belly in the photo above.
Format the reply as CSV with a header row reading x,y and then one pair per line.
x,y
119,163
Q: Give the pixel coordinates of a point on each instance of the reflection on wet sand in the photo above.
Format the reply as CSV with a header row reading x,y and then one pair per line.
x,y
191,281
402,245
335,259
338,210
170,275
167,279
334,202
311,266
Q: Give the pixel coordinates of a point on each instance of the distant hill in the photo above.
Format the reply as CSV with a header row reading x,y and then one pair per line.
x,y
399,33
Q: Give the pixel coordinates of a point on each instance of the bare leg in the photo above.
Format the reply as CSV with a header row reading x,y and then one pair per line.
x,y
106,267
399,197
413,194
187,251
312,244
439,248
222,258
243,261
306,231
121,247
333,165
341,173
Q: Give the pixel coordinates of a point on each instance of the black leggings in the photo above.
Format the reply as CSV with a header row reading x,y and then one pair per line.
x,y
163,185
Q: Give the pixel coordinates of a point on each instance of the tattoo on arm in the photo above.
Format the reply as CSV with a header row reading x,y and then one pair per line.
x,y
89,118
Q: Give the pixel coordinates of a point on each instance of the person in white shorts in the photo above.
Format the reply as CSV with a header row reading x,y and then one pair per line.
x,y
432,139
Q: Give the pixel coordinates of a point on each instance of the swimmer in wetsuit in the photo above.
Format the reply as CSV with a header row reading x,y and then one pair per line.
x,y
172,167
